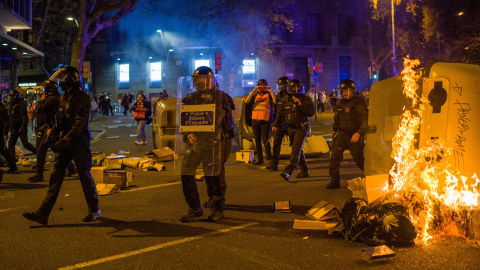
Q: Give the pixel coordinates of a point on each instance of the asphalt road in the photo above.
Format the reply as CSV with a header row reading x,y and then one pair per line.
x,y
140,227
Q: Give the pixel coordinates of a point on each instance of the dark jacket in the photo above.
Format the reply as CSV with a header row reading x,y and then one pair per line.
x,y
294,114
18,115
280,100
46,111
73,115
145,105
351,116
4,121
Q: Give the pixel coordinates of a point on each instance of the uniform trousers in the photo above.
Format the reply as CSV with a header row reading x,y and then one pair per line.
x,y
340,143
297,137
79,152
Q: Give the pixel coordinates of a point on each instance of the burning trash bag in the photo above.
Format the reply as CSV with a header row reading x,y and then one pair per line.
x,y
383,224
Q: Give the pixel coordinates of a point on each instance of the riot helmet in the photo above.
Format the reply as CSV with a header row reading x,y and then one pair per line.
x,y
282,84
50,87
347,88
66,77
262,82
203,79
14,96
295,87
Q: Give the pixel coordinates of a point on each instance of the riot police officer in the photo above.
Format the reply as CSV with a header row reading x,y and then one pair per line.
x,y
46,110
18,123
279,126
296,111
4,127
349,128
228,133
203,148
74,144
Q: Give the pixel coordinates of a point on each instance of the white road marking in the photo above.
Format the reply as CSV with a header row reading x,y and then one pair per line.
x,y
149,187
153,248
10,209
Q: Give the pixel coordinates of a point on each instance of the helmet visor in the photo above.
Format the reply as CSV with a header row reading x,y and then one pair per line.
x,y
203,82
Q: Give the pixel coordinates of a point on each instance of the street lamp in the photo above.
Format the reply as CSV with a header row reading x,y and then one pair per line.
x,y
73,19
166,79
440,26
166,54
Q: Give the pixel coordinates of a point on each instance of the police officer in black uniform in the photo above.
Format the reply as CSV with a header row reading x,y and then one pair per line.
x,y
46,110
296,111
279,126
349,129
72,124
199,149
18,123
4,127
228,133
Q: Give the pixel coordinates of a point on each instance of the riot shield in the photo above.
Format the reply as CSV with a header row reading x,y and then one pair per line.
x,y
198,141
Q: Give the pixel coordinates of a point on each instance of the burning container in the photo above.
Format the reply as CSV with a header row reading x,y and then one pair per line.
x,y
452,115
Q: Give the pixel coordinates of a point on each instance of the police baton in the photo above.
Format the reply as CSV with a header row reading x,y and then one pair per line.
x,y
267,141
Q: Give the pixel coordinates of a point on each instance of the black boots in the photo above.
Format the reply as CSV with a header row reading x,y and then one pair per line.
x,y
192,215
33,216
36,178
333,184
92,216
272,165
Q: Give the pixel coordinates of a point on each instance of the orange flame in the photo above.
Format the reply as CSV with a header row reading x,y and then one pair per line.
x,y
421,179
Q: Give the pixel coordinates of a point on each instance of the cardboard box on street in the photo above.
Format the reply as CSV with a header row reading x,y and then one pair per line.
x,y
119,178
163,154
97,174
114,162
282,207
313,224
97,158
245,156
105,189
323,211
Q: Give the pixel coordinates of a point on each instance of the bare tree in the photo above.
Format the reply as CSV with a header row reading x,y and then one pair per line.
x,y
94,16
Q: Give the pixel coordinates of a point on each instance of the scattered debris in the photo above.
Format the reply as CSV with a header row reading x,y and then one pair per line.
x,y
282,207
122,152
323,211
357,186
106,189
67,195
245,156
377,253
143,164
163,154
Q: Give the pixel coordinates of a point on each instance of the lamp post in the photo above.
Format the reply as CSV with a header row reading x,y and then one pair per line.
x,y
166,54
393,39
166,79
440,26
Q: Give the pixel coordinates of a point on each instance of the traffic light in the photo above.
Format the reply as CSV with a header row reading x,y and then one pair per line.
x,y
374,74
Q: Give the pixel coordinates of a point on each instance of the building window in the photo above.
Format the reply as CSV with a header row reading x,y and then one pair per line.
x,y
346,29
200,63
344,67
314,29
123,75
156,74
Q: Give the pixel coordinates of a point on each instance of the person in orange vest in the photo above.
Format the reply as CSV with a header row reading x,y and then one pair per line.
x,y
141,113
262,118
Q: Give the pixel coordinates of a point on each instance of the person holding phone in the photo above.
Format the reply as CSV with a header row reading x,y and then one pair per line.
x,y
262,118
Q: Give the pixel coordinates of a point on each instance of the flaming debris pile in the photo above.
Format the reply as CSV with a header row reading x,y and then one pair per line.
x,y
438,198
